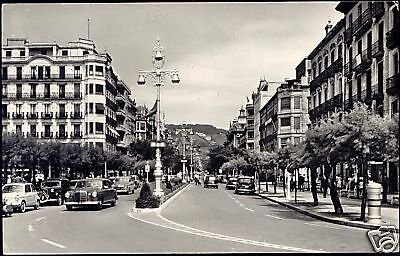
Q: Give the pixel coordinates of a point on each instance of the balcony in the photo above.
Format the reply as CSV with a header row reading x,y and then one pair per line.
x,y
76,135
362,23
120,98
393,84
121,112
32,134
46,135
348,35
348,70
362,61
377,92
377,50
61,135
5,116
46,115
393,37
34,115
378,9
18,115
62,115
43,96
52,77
76,115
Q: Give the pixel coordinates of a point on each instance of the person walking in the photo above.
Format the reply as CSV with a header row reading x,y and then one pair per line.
x,y
301,183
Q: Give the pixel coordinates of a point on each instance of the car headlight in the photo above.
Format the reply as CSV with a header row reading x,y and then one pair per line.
x,y
94,194
67,195
52,190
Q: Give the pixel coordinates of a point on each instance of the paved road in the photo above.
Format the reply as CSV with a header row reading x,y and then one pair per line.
x,y
198,220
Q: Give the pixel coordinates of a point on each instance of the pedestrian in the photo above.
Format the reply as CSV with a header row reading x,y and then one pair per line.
x,y
301,183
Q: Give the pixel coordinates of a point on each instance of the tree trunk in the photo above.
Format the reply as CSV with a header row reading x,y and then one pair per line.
x,y
308,178
295,186
334,195
314,192
275,181
284,183
259,183
364,191
326,182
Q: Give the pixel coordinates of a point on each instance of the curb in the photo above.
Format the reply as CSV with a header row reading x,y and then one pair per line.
x,y
163,205
324,218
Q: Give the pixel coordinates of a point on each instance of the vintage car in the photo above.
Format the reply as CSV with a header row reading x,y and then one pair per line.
x,y
136,181
91,192
124,184
53,190
20,196
231,183
245,184
7,208
211,181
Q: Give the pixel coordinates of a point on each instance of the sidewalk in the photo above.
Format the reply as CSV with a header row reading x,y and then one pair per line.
x,y
325,211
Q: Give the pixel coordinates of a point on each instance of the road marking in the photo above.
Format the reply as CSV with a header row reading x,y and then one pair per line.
x,y
53,243
41,218
30,228
279,218
249,209
324,226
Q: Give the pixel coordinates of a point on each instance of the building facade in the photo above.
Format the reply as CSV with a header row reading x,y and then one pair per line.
x,y
249,130
64,93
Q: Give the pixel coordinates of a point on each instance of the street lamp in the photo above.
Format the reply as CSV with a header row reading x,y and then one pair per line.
x,y
158,76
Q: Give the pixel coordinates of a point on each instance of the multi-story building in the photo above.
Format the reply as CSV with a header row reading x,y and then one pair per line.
x,y
249,130
284,119
145,124
264,92
65,93
326,76
371,60
237,130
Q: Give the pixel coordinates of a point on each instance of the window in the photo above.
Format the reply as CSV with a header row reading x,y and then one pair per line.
x,y
8,54
4,74
33,108
297,102
285,103
99,89
332,56
33,130
250,135
33,90
19,73
28,188
18,108
99,127
86,128
62,72
46,108
296,140
319,97
77,108
99,145
99,70
33,72
90,70
284,142
77,71
4,91
61,130
47,72
326,62
47,90
90,127
77,90
43,52
340,49
90,88
61,92
319,67
19,91
285,121
4,109
22,53
359,46
77,129
297,123
90,107
64,53
395,107
326,93
333,89
18,128
47,130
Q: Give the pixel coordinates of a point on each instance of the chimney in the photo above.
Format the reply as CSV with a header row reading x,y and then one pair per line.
x,y
328,27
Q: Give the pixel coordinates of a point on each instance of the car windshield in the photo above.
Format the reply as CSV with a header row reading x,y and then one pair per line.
x,y
211,178
12,188
122,179
53,183
72,184
89,184
245,180
232,179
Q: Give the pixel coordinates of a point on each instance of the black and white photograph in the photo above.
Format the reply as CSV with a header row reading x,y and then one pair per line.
x,y
200,127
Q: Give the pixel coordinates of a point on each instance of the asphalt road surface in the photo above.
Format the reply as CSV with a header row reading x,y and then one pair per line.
x,y
197,220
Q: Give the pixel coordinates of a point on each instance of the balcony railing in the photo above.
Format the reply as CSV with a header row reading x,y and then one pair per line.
x,y
46,96
377,92
362,61
377,49
34,115
393,84
18,115
393,37
46,135
362,23
46,115
76,135
61,135
348,35
378,9
76,115
31,77
348,69
61,115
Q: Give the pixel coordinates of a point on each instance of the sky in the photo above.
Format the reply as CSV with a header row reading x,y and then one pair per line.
x,y
221,50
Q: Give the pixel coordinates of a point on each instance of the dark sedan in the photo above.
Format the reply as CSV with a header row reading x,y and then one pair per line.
x,y
53,190
245,185
211,181
231,183
91,192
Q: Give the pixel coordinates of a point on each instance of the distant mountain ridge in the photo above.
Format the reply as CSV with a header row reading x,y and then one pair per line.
x,y
207,134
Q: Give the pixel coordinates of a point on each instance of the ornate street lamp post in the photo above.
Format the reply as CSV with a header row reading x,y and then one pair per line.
x,y
158,76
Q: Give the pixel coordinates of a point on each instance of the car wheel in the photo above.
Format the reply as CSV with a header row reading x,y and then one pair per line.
x,y
69,207
236,191
59,200
114,201
22,208
37,205
100,205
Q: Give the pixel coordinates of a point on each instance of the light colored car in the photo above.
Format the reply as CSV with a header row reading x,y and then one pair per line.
x,y
124,184
20,196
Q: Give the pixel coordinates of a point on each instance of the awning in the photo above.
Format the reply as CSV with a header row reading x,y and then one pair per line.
x,y
113,132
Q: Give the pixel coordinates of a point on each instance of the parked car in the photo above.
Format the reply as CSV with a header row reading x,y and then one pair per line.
x,y
20,195
136,181
72,184
221,178
211,181
91,192
7,208
231,183
124,184
245,185
53,191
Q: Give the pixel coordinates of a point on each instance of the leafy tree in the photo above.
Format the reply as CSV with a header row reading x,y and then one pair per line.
x,y
146,198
